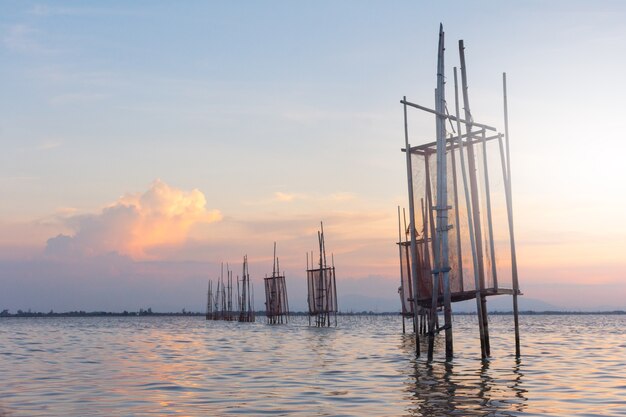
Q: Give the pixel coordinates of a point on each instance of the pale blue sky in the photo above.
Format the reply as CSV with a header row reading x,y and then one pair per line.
x,y
243,100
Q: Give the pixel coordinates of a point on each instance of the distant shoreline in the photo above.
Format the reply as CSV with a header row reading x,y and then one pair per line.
x,y
149,313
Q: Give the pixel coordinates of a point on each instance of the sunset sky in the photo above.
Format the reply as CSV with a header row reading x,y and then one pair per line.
x,y
144,143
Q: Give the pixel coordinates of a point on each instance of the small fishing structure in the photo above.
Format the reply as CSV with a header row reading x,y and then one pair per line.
x,y
459,242
322,288
276,301
209,301
245,298
406,291
227,296
220,304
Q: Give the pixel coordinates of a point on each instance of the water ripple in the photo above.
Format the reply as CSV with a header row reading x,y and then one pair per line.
x,y
153,366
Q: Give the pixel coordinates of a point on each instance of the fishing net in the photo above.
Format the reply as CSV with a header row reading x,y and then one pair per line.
x,y
322,294
489,218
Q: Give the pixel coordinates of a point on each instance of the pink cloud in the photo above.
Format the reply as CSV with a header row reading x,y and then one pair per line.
x,y
161,216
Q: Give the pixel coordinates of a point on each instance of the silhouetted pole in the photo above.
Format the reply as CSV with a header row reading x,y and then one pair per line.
x,y
469,218
492,248
401,269
335,301
475,199
442,268
457,219
409,173
407,261
509,205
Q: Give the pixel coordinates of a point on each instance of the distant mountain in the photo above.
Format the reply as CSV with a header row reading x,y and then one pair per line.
x,y
504,303
356,303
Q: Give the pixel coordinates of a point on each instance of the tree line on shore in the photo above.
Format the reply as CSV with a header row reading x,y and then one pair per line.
x,y
148,312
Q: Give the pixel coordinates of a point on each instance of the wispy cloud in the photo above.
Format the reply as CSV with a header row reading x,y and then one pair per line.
x,y
287,197
312,115
20,178
45,146
344,196
25,39
48,10
42,146
77,98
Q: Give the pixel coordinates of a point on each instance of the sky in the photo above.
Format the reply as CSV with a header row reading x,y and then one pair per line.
x,y
143,144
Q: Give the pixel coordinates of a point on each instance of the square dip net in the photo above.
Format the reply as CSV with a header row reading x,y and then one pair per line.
x,y
485,173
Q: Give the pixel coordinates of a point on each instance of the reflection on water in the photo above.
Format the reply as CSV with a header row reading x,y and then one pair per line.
x,y
463,387
149,366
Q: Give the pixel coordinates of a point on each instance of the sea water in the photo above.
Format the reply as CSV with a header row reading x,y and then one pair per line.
x,y
187,366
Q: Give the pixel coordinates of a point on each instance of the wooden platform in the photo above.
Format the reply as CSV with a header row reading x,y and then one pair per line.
x,y
467,295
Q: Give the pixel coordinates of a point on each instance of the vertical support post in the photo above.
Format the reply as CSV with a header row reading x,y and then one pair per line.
x,y
475,198
402,310
459,252
335,302
509,205
409,173
321,292
443,264
407,260
492,249
469,217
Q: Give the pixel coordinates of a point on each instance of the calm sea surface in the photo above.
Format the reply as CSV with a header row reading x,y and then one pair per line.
x,y
152,366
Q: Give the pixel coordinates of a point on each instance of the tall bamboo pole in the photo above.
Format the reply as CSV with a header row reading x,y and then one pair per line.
x,y
402,296
407,260
492,248
509,205
409,173
209,302
443,264
457,219
401,270
427,210
475,199
321,284
335,302
469,218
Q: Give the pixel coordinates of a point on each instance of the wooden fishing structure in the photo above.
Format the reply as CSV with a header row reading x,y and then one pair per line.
x,y
459,242
276,301
209,302
405,290
322,287
220,303
245,298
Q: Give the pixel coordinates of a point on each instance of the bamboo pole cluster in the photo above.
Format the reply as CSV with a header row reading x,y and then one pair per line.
x,y
276,301
322,287
454,248
220,302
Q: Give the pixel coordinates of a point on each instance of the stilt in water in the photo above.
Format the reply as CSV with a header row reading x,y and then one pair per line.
x,y
465,174
276,301
246,313
322,287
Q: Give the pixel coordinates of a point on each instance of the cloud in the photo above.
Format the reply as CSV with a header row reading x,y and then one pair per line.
x,y
45,146
286,197
24,39
161,216
20,178
47,10
78,98
19,38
